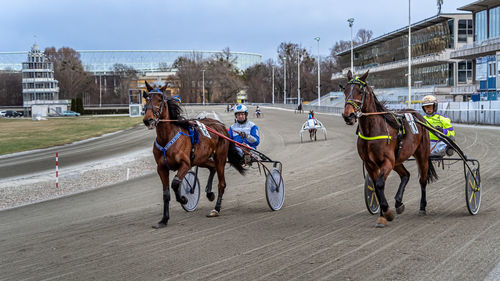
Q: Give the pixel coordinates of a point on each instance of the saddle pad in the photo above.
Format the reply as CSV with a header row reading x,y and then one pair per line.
x,y
411,123
203,129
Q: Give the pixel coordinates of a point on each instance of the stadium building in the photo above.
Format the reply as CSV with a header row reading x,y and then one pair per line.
x,y
434,71
484,52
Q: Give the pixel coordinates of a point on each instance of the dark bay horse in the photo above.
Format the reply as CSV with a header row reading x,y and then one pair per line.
x,y
179,146
385,142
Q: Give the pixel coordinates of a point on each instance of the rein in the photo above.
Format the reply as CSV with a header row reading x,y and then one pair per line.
x,y
358,104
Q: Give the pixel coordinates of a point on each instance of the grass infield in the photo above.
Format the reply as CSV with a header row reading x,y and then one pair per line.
x,y
24,134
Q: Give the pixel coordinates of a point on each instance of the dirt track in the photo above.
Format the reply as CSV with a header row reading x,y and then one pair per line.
x,y
323,231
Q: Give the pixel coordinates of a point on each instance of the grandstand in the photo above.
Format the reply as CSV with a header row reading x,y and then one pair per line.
x,y
102,61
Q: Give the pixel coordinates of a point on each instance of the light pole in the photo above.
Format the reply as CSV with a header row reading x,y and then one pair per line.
x,y
284,80
319,74
298,77
351,22
203,83
100,91
273,82
409,55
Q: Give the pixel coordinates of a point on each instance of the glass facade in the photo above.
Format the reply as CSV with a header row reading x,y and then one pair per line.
x,y
431,75
481,27
430,40
494,22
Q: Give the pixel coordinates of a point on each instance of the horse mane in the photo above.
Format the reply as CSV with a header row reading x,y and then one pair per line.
x,y
175,113
380,107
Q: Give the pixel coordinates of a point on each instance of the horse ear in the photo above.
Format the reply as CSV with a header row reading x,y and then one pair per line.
x,y
363,78
162,89
148,86
144,94
349,75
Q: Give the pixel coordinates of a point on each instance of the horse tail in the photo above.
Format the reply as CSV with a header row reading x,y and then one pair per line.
x,y
235,159
431,172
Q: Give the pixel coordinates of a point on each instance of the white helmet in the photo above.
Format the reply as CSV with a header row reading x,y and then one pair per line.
x,y
241,108
430,100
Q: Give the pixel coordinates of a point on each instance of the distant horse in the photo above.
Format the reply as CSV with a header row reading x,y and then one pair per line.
x,y
179,146
299,108
382,145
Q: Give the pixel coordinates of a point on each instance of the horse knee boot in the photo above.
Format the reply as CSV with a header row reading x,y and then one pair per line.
x,y
176,183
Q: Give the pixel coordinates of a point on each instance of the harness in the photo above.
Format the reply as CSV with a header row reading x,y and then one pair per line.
x,y
157,110
358,104
193,135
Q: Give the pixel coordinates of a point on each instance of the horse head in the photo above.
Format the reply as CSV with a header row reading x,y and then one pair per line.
x,y
355,94
156,101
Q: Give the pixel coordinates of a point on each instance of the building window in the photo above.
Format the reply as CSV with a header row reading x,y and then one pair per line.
x,y
495,22
464,71
481,27
464,30
491,69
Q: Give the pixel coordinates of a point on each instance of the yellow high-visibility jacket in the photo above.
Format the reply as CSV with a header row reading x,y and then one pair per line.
x,y
441,121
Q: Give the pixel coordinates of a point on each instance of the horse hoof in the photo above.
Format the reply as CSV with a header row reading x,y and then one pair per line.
x,y
389,215
210,196
213,214
183,200
381,222
159,225
400,209
422,212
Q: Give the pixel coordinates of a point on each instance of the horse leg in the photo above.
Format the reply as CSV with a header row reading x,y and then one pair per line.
x,y
166,197
423,166
208,189
386,214
404,175
220,164
176,183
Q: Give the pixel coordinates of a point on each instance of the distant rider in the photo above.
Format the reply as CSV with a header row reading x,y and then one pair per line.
x,y
257,111
311,122
244,131
439,122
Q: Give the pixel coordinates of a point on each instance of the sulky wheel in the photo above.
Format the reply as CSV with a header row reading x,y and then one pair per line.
x,y
473,191
190,188
275,190
371,199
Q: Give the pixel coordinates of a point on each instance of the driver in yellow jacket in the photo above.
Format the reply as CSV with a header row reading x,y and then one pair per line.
x,y
439,122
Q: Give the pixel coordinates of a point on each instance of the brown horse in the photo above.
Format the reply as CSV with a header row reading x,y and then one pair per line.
x,y
179,146
385,142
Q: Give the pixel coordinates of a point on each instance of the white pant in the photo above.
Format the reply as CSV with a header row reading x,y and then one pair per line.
x,y
240,152
438,149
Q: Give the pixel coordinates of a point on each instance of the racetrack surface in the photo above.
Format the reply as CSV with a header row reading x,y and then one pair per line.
x,y
323,232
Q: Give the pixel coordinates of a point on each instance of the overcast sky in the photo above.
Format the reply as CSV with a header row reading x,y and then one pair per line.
x,y
255,26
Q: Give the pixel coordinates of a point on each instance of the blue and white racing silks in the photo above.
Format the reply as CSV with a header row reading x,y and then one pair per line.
x,y
250,129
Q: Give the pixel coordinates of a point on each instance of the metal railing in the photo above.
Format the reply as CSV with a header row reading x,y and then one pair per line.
x,y
475,113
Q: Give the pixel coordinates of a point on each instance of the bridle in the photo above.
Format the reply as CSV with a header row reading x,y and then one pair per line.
x,y
357,104
157,110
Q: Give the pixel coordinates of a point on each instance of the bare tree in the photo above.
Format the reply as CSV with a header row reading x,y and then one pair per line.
x,y
258,79
124,77
11,92
188,74
68,70
363,36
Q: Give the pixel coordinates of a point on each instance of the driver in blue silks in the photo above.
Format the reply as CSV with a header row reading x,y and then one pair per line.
x,y
244,131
